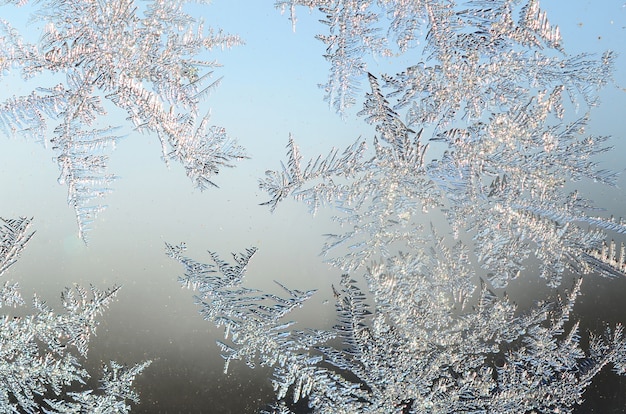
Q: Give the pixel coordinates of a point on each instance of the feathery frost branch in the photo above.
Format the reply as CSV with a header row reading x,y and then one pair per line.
x,y
38,351
489,99
148,60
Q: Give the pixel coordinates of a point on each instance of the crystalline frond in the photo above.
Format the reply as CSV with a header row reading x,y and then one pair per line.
x,y
382,198
536,20
206,277
28,115
464,41
36,354
351,315
609,259
14,234
197,275
204,151
504,185
37,358
405,286
470,78
399,366
497,109
553,355
15,51
83,162
492,94
352,34
491,358
408,18
146,60
10,295
290,180
277,408
617,343
255,329
115,393
390,126
233,274
86,307
486,369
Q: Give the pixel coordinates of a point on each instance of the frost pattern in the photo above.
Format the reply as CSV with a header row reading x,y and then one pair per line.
x,y
490,96
352,34
40,353
13,238
245,312
146,59
462,190
420,352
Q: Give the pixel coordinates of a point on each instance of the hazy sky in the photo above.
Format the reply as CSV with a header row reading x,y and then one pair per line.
x,y
268,91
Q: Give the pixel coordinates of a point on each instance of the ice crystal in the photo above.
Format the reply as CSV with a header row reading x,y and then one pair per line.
x,y
608,260
14,235
116,383
245,312
146,59
352,34
40,353
418,351
469,179
489,96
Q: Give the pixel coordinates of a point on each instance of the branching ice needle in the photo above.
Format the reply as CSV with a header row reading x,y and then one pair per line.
x,y
146,64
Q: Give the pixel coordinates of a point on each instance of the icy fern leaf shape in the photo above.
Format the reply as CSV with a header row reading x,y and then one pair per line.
x,y
290,180
28,115
457,40
256,331
38,357
489,99
145,59
116,393
14,234
37,351
488,359
204,151
406,285
277,408
352,34
609,259
83,164
380,197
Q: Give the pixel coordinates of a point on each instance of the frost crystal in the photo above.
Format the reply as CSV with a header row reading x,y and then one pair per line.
x,y
145,59
467,183
37,351
490,97
418,351
13,237
246,313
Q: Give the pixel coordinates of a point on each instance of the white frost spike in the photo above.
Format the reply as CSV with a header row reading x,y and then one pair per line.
x,y
42,352
608,260
14,234
131,56
488,94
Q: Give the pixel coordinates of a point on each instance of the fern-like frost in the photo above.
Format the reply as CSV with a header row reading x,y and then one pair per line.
x,y
146,60
41,353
